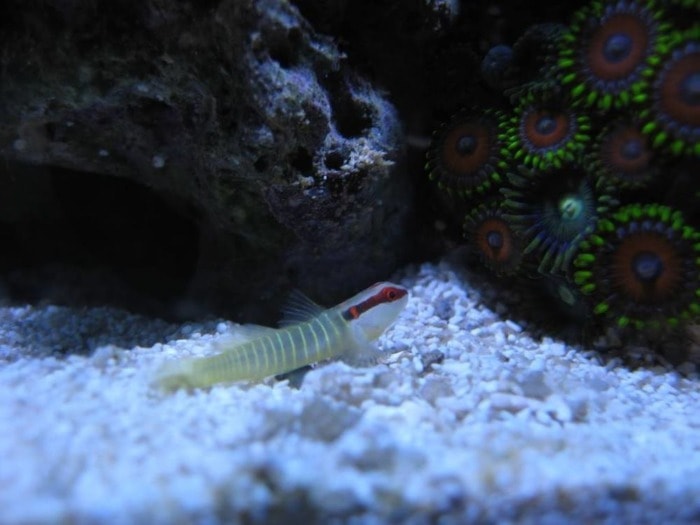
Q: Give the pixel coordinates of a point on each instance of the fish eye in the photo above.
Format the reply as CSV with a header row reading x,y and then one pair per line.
x,y
391,294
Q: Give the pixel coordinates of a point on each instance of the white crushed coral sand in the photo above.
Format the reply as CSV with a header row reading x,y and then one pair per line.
x,y
505,429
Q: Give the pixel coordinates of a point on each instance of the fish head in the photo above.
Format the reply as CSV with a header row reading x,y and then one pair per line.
x,y
373,310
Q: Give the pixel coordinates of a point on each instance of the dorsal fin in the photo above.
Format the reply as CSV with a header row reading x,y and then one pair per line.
x,y
299,309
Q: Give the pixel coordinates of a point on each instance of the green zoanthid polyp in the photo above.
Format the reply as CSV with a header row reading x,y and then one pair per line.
x,y
597,190
641,267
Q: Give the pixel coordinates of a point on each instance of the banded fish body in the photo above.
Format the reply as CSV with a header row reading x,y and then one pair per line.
x,y
308,334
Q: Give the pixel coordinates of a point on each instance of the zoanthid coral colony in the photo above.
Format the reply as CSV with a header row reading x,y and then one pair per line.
x,y
587,173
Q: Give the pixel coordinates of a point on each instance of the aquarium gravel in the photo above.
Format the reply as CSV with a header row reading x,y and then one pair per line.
x,y
467,418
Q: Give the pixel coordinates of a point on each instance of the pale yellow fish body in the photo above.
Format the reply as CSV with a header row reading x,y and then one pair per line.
x,y
346,330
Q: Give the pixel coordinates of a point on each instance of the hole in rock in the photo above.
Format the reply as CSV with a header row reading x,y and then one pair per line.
x,y
260,164
283,47
334,160
85,238
351,119
302,161
350,114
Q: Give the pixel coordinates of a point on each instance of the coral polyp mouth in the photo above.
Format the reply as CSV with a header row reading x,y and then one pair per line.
x,y
493,238
571,208
674,116
465,149
544,132
609,51
554,210
679,88
642,267
617,48
646,268
464,154
622,154
545,129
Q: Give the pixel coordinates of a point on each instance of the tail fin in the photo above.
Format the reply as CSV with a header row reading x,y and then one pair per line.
x,y
182,373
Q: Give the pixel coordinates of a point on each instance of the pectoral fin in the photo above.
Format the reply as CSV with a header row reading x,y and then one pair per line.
x,y
362,354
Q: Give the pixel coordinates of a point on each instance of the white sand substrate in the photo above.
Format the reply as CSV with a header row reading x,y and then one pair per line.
x,y
505,429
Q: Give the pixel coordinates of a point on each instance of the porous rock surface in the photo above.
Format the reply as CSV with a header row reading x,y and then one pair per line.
x,y
280,165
